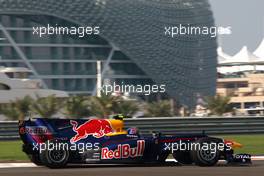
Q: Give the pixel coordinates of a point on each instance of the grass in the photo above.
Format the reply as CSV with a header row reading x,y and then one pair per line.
x,y
252,144
11,150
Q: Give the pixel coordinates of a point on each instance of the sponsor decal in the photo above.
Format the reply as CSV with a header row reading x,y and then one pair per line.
x,y
34,130
242,156
94,127
22,130
124,151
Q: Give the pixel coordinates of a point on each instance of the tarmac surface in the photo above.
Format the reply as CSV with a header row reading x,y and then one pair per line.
x,y
256,169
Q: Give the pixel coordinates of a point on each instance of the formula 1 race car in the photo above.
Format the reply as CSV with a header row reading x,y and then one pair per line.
x,y
58,142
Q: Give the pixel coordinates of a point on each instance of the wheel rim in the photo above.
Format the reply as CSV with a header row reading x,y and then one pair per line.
x,y
207,155
57,156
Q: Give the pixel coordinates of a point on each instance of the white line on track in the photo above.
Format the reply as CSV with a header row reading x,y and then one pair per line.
x,y
14,165
18,165
253,158
257,158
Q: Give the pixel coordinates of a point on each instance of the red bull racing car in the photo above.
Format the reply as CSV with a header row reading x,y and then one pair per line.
x,y
58,142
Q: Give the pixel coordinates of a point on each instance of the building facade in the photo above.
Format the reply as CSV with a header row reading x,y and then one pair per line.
x,y
246,92
131,44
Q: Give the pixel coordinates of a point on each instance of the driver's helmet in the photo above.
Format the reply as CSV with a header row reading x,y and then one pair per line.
x,y
132,131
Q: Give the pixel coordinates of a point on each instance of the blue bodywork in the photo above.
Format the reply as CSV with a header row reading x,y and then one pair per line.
x,y
57,142
38,131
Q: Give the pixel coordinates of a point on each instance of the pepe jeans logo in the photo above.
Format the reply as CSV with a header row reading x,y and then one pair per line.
x,y
124,151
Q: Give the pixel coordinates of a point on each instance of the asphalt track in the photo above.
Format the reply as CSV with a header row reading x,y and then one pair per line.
x,y
256,169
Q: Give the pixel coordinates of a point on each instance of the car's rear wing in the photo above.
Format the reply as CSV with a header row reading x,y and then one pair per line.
x,y
39,130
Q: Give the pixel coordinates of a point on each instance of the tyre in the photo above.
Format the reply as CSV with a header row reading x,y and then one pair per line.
x,y
183,157
56,157
162,157
34,158
205,156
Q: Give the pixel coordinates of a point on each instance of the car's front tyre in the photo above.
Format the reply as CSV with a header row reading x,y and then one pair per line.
x,y
206,156
182,157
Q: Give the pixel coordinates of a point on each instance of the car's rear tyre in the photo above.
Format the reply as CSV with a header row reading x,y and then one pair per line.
x,y
203,157
183,157
56,158
34,158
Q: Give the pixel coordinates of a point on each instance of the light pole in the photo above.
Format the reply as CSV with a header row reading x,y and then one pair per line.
x,y
98,79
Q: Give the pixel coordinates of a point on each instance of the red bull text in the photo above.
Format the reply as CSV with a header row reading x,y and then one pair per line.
x,y
124,151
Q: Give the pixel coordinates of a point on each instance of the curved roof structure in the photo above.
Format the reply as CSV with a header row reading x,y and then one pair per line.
x,y
244,60
185,64
243,57
222,56
260,50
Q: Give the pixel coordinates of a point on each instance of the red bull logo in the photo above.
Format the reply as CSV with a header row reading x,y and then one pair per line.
x,y
124,151
94,127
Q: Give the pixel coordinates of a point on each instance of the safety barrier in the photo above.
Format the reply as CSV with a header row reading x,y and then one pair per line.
x,y
172,125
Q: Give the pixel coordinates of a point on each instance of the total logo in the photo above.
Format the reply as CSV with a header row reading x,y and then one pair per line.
x,y
124,151
242,156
